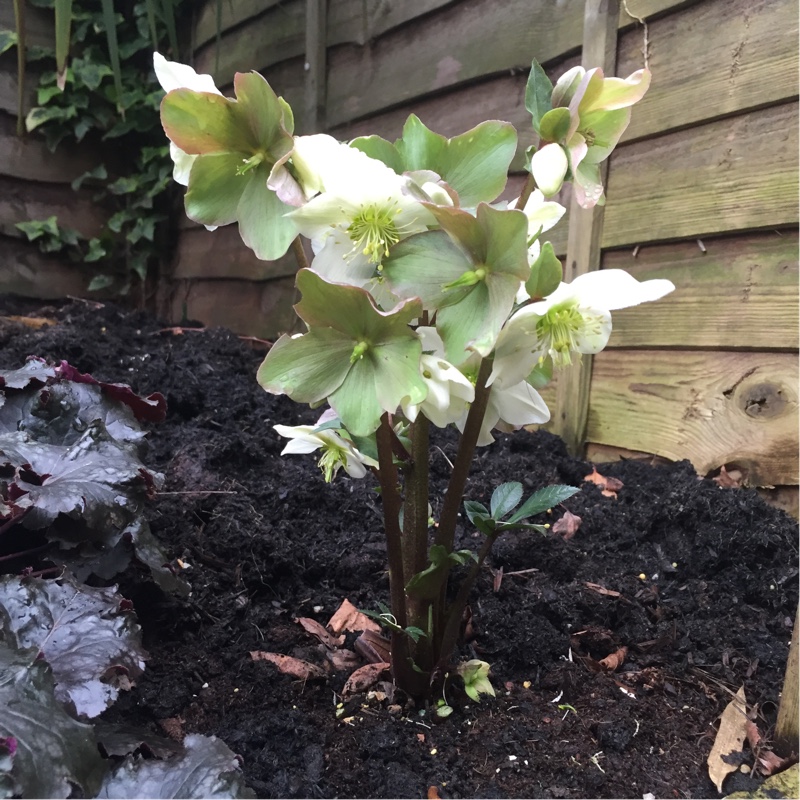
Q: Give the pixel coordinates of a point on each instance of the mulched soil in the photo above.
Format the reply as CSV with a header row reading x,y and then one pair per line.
x,y
698,582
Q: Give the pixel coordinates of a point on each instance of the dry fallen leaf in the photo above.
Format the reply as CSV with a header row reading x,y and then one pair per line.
x,y
767,762
614,660
365,677
343,659
567,526
497,579
608,486
596,587
349,618
30,322
729,480
315,629
730,738
433,793
302,670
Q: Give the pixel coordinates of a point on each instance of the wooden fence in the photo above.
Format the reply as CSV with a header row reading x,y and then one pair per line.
x,y
702,190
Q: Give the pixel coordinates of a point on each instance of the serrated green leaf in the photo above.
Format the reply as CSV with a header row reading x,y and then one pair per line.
x,y
538,93
540,501
505,498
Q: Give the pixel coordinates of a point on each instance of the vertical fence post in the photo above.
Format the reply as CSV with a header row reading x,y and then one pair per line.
x,y
315,66
786,728
600,24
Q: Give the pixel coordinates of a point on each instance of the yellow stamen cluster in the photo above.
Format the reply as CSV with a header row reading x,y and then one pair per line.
x,y
558,330
373,231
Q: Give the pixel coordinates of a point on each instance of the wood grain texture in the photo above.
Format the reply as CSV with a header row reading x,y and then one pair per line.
x,y
730,175
741,293
27,272
22,201
712,407
262,309
716,58
40,26
221,254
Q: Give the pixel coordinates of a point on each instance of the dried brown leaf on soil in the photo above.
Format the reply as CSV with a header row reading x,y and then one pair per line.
x,y
364,678
349,618
497,579
567,526
315,629
30,322
730,738
614,660
767,762
595,587
343,659
608,486
297,668
433,793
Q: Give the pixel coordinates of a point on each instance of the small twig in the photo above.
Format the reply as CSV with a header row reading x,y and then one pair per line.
x,y
93,303
642,22
22,553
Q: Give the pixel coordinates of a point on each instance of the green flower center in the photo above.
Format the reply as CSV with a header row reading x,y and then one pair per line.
x,y
251,163
558,329
333,457
358,351
373,231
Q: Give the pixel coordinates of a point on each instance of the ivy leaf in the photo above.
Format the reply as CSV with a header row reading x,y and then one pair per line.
x,y
545,498
85,634
504,498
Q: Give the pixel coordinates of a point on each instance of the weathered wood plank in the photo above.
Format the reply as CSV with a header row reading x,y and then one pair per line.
x,y
740,293
30,159
714,59
712,407
8,83
316,65
246,307
585,233
22,201
221,254
730,175
27,272
40,27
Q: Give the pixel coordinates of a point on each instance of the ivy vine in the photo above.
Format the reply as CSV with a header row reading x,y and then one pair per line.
x,y
135,185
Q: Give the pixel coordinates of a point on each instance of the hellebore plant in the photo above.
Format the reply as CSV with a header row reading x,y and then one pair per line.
x,y
428,300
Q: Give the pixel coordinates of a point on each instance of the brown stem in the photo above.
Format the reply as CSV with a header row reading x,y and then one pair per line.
x,y
456,611
527,190
300,253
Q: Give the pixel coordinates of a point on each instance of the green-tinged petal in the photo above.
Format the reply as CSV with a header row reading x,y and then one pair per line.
x,y
288,116
566,86
546,273
420,147
555,124
506,235
476,163
215,189
262,224
619,93
422,264
474,323
464,228
548,167
351,310
201,123
356,400
261,107
603,130
307,368
380,149
397,374
587,186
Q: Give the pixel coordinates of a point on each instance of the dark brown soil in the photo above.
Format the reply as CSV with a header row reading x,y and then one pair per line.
x,y
702,589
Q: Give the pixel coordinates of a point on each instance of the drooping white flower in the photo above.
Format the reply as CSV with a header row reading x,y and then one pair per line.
x,y
337,451
173,75
449,391
360,197
575,318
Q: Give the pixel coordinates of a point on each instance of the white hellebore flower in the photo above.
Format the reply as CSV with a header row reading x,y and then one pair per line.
x,y
361,211
336,450
172,75
449,391
576,317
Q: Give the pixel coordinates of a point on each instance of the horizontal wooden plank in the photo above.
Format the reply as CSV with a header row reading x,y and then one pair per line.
x,y
730,175
787,498
717,58
9,83
30,159
40,26
262,309
221,254
29,273
711,407
255,34
740,292
22,201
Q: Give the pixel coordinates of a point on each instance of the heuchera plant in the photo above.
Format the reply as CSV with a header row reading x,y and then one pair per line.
x,y
428,300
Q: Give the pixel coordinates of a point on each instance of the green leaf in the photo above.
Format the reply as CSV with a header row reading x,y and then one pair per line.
x,y
215,189
98,173
420,147
546,273
96,251
480,517
505,498
554,125
540,501
538,93
381,150
8,39
426,584
100,282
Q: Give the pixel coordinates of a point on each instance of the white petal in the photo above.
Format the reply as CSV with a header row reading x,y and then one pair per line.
x,y
548,167
183,164
542,214
611,289
173,75
520,405
593,337
337,263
